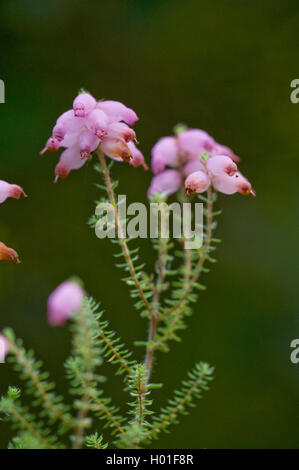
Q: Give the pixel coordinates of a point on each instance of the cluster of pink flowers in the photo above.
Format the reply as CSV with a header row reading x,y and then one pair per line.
x,y
91,125
196,159
14,191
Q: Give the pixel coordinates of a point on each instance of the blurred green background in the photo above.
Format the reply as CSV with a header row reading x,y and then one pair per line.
x,y
224,66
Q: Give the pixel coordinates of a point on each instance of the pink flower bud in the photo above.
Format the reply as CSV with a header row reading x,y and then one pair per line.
x,y
83,104
197,182
219,149
221,164
64,302
97,122
193,165
117,111
8,254
116,149
4,348
193,142
164,153
88,142
52,145
138,158
69,160
232,184
121,131
10,190
167,182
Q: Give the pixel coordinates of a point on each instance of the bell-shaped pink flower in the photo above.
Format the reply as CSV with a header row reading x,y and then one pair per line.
x,y
164,153
10,190
97,122
8,254
197,182
83,104
221,164
121,131
116,149
64,302
137,156
167,182
4,348
69,160
193,165
117,111
67,123
88,143
52,145
231,184
193,142
219,149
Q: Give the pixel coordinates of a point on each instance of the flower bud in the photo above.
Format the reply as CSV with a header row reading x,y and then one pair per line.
x,y
83,104
117,111
8,254
10,190
88,142
4,348
167,182
197,182
221,164
64,302
115,149
97,122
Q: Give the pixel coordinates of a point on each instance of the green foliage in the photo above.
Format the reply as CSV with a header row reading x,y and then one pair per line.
x,y
197,382
95,441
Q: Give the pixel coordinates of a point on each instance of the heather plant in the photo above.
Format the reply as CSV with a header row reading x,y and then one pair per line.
x,y
190,165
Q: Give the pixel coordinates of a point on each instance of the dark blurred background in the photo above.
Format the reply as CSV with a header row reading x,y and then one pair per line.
x,y
224,66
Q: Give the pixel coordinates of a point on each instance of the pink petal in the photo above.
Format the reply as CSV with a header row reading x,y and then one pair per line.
x,y
117,111
115,149
64,302
167,182
10,190
219,149
138,158
197,182
69,160
219,164
193,165
88,143
164,153
193,142
83,104
97,122
121,131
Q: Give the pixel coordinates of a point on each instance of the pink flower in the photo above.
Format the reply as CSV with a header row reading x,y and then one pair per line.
x,y
193,165
88,143
193,142
117,111
69,160
197,182
97,122
4,348
221,164
116,149
137,156
8,254
167,183
164,153
231,184
83,104
64,302
120,130
219,149
10,190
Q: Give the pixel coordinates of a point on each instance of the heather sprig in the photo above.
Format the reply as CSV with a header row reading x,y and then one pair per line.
x,y
188,166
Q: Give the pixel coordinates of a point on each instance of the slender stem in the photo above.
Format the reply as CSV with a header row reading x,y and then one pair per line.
x,y
84,409
18,416
176,309
123,243
154,321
